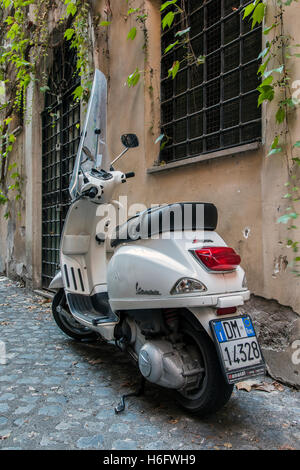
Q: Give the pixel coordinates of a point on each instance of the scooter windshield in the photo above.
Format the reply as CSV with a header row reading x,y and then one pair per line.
x,y
92,150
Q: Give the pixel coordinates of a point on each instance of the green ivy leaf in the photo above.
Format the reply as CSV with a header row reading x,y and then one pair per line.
x,y
159,138
275,143
266,94
78,92
166,4
275,148
297,144
267,30
134,78
105,23
249,9
3,198
267,81
278,69
280,115
9,20
170,46
263,53
258,14
69,33
263,67
284,219
132,10
168,20
174,69
183,31
289,102
71,9
132,33
274,151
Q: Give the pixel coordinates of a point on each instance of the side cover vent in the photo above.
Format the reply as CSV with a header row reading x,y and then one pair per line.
x,y
66,275
76,277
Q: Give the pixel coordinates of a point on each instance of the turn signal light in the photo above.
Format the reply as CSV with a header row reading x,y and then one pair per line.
x,y
188,286
218,258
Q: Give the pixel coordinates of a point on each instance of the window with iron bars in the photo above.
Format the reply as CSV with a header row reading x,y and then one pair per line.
x,y
211,106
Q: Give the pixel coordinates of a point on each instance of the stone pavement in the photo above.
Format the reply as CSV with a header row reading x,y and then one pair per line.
x,y
59,394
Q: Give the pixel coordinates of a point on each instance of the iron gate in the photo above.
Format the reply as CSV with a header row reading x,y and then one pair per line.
x,y
60,139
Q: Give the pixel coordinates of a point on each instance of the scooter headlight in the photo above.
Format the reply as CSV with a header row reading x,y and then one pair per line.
x,y
188,286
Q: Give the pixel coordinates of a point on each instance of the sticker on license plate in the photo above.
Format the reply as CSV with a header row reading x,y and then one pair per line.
x,y
238,348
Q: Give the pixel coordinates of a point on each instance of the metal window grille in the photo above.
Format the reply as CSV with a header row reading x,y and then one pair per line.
x,y
211,106
60,139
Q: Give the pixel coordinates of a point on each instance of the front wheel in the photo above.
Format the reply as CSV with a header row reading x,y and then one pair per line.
x,y
212,391
67,322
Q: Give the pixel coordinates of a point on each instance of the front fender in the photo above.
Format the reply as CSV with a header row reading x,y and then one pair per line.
x,y
57,282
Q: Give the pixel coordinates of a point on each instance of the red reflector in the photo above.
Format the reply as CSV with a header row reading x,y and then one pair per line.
x,y
226,311
219,258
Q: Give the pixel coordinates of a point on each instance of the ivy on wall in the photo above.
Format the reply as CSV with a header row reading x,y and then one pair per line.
x,y
275,86
24,43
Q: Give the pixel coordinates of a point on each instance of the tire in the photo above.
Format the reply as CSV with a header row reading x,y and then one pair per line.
x,y
213,391
67,323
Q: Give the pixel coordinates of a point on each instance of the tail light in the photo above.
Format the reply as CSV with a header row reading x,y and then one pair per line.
x,y
218,258
226,311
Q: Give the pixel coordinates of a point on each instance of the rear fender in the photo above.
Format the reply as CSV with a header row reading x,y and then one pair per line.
x,y
57,282
203,316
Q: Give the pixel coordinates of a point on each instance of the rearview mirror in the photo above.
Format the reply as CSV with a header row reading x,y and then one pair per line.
x,y
129,140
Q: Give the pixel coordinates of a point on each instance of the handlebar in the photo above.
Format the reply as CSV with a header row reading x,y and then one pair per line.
x,y
92,193
131,174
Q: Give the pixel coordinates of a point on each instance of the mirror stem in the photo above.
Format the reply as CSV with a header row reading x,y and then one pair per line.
x,y
119,156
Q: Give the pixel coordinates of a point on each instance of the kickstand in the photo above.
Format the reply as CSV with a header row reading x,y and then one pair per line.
x,y
140,391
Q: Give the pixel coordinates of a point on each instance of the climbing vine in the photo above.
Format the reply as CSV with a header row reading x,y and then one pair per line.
x,y
24,42
275,86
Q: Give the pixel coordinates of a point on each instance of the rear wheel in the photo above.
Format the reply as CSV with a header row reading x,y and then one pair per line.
x,y
212,391
67,322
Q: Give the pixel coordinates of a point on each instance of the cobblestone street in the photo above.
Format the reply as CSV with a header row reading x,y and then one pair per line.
x,y
59,394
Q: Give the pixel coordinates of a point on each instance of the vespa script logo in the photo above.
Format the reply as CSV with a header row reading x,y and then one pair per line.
x,y
140,291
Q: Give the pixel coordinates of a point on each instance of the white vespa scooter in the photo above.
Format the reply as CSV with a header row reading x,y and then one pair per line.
x,y
162,286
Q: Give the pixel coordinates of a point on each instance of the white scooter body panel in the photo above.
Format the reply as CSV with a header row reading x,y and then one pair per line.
x,y
141,274
142,287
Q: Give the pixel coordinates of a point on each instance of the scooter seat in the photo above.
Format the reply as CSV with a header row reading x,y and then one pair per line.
x,y
181,216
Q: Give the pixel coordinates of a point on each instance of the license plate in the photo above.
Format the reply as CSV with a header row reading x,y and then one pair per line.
x,y
238,349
